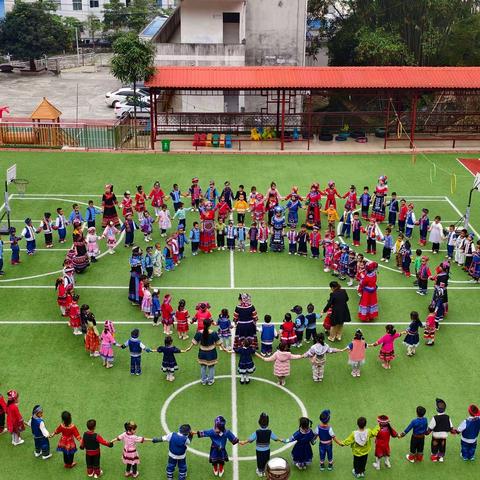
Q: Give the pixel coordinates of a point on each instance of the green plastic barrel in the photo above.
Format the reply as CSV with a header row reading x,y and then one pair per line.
x,y
165,145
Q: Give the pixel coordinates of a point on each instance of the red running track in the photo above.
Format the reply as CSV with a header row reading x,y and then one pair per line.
x,y
471,164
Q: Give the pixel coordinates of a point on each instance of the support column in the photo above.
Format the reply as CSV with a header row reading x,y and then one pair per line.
x,y
277,129
413,120
309,131
282,133
387,121
152,121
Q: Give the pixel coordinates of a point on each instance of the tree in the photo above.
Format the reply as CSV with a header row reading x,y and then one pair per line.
x,y
93,25
365,31
73,27
114,16
140,12
30,30
132,61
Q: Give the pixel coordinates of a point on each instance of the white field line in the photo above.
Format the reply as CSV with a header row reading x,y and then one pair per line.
x,y
30,277
233,395
470,286
461,214
142,322
58,199
49,195
232,270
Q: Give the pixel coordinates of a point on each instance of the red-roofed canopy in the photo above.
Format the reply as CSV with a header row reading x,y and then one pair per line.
x,y
316,78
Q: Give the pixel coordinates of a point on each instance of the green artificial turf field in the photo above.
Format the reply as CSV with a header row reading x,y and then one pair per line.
x,y
41,359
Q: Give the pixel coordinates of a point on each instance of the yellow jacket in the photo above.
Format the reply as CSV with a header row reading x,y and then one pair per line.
x,y
361,440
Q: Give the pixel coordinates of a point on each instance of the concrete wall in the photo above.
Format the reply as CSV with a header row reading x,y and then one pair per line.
x,y
202,20
275,32
199,54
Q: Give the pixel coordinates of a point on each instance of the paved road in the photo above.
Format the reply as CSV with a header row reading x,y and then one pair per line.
x,y
23,93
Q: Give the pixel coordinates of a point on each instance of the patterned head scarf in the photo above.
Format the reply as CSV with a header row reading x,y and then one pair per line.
x,y
245,300
12,395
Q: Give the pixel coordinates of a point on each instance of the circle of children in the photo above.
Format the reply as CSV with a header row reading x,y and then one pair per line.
x,y
213,233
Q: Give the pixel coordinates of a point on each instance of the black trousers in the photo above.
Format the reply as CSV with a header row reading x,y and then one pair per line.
x,y
2,421
92,461
439,445
310,333
220,240
68,458
417,444
48,238
359,463
262,460
386,253
371,244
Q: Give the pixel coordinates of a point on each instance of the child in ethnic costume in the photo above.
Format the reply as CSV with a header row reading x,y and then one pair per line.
x,y
406,255
61,225
263,233
146,305
268,334
182,317
107,341
361,442
318,356
419,426
202,313
15,423
469,430
311,319
356,353
302,453
167,314
66,445
281,367
387,351
356,229
328,247
262,438
110,233
382,442
46,226
63,296
146,225
287,331
412,338
219,435
424,224
40,434
177,450
225,328
326,437
73,312
92,338
155,312
91,442
439,426
140,199
135,346
429,332
164,223
92,244
157,258
127,204
246,366
253,237
129,226
3,410
169,364
220,228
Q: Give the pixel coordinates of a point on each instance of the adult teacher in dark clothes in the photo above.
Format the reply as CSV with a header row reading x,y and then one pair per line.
x,y
338,302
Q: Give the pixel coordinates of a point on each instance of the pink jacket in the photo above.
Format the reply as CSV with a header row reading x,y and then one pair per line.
x,y
281,368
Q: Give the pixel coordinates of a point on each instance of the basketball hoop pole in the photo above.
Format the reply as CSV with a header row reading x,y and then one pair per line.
x,y
7,206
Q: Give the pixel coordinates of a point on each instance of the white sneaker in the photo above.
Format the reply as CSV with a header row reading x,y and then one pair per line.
x,y
3,431
376,465
440,459
37,454
387,463
20,441
46,457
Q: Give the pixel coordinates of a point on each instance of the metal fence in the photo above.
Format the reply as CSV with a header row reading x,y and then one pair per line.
x,y
124,134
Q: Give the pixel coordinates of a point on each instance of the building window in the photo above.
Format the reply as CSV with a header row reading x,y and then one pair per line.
x,y
94,4
77,5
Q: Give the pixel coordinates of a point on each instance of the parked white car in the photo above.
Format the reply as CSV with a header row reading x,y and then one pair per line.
x,y
121,95
126,108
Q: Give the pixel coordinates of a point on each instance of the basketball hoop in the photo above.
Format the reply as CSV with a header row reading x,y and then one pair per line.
x,y
21,184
